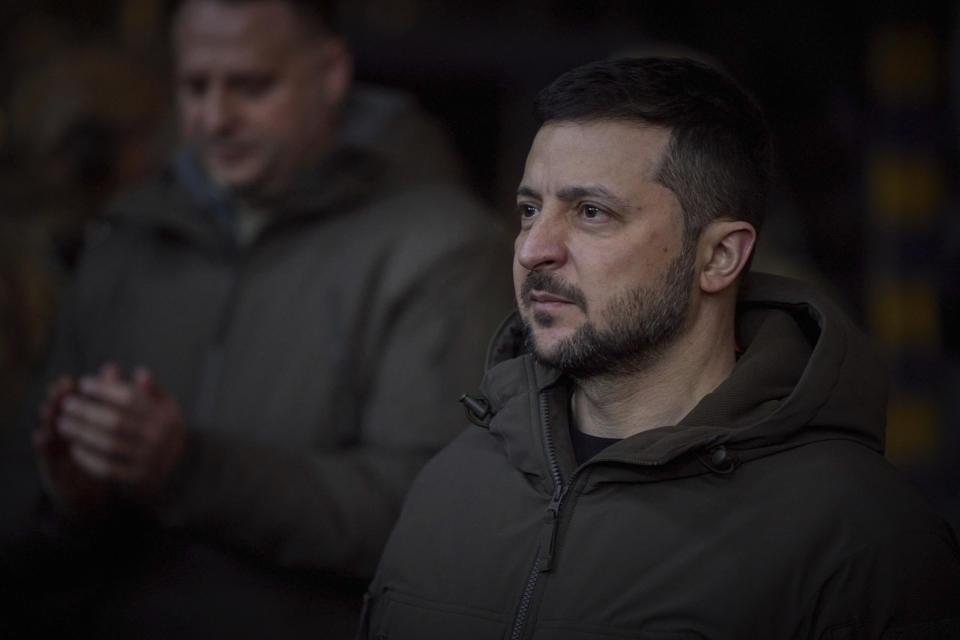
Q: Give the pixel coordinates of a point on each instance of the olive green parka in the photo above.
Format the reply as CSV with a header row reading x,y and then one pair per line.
x,y
317,368
767,512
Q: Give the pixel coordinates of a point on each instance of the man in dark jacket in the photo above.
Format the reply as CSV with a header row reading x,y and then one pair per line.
x,y
665,448
260,349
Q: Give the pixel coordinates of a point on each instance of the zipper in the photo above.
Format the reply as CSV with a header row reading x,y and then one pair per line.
x,y
548,532
212,369
525,599
551,518
548,441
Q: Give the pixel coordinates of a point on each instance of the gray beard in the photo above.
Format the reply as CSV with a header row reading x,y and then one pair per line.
x,y
641,322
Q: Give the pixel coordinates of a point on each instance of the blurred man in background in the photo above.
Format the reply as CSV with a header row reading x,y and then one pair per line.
x,y
258,352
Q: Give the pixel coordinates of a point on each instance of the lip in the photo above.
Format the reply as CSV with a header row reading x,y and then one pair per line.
x,y
547,298
228,157
547,302
227,153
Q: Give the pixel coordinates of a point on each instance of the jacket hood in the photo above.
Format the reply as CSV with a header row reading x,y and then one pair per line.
x,y
806,374
372,153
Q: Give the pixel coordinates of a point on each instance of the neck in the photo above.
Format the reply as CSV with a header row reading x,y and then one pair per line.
x,y
663,393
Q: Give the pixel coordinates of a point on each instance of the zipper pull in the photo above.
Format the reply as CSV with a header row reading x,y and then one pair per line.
x,y
478,410
548,531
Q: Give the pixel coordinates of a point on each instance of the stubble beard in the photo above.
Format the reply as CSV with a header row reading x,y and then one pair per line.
x,y
641,323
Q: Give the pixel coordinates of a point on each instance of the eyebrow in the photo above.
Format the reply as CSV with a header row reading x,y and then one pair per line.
x,y
575,192
527,192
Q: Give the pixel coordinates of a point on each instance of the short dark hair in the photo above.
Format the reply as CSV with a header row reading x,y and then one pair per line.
x,y
719,159
321,14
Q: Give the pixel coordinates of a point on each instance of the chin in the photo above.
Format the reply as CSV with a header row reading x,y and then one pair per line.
x,y
545,341
233,178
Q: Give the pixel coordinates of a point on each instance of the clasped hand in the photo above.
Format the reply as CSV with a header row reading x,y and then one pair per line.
x,y
103,434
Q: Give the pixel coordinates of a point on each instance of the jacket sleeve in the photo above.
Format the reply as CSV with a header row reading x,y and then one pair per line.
x,y
421,347
20,487
906,588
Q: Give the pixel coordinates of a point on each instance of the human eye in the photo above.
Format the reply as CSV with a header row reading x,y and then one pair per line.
x,y
194,85
526,212
593,213
252,85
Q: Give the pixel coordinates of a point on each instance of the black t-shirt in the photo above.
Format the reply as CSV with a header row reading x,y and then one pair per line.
x,y
586,446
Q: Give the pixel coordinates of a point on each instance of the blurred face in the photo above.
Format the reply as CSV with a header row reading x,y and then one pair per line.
x,y
257,92
601,272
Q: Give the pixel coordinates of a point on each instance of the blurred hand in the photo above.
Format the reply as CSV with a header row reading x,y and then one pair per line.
x,y
72,490
128,433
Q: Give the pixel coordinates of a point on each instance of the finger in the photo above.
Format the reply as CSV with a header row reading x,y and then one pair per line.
x,y
144,380
103,467
142,377
48,416
82,408
110,371
95,464
58,388
92,438
106,390
49,408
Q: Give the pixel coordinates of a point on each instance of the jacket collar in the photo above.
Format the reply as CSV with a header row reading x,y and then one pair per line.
x,y
371,154
806,374
181,201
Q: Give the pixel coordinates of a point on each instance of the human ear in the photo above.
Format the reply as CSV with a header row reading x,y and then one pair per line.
x,y
726,246
336,70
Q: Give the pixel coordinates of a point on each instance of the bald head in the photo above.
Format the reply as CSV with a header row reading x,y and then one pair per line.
x,y
258,93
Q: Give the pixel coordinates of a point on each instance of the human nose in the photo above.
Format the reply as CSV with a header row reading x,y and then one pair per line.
x,y
218,112
543,245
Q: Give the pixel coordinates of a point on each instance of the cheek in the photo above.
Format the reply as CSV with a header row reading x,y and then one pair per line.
x,y
609,272
269,120
519,273
189,118
293,125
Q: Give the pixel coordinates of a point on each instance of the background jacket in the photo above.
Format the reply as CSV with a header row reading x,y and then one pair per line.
x,y
767,512
317,370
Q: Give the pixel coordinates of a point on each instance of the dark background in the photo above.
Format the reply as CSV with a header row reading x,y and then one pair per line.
x,y
860,97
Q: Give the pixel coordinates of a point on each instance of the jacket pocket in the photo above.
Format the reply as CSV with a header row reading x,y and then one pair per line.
x,y
398,616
